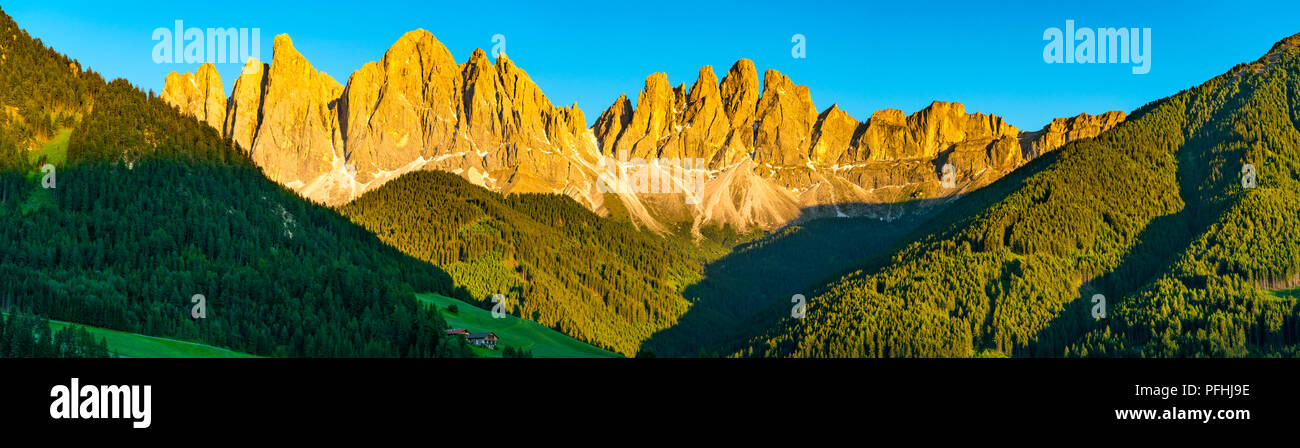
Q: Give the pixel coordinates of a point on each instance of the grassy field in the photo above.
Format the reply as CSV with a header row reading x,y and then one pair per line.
x,y
131,345
513,331
55,150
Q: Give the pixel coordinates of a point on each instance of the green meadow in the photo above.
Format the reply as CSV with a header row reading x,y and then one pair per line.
x,y
513,331
131,345
55,150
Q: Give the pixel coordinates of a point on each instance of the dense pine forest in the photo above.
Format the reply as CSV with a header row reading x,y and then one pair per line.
x,y
598,280
152,208
1153,215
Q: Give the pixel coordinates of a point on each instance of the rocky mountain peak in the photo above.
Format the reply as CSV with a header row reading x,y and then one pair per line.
x,y
891,117
415,43
478,59
740,91
394,110
281,44
199,94
295,139
653,118
611,123
785,118
706,85
832,136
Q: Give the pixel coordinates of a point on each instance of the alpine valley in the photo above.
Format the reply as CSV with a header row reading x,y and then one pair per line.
x,y
329,219
770,160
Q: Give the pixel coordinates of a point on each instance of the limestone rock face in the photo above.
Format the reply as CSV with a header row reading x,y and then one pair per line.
x,y
704,125
891,137
832,136
244,112
1064,130
733,153
711,121
740,92
611,123
415,108
400,109
540,147
295,138
785,118
199,94
772,158
655,117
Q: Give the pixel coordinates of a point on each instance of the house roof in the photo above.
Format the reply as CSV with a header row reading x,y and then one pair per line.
x,y
481,335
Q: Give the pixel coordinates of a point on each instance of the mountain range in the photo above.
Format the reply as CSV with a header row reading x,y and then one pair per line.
x,y
311,213
767,157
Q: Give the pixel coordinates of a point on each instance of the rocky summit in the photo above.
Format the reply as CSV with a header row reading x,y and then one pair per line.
x,y
734,152
772,158
416,108
199,94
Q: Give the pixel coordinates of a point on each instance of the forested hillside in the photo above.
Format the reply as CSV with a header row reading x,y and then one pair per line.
x,y
1153,215
598,280
153,208
41,91
755,283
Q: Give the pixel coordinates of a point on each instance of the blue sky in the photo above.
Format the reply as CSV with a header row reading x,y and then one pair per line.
x,y
865,56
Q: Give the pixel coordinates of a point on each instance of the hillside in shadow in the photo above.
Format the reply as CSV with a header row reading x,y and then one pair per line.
x,y
751,289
